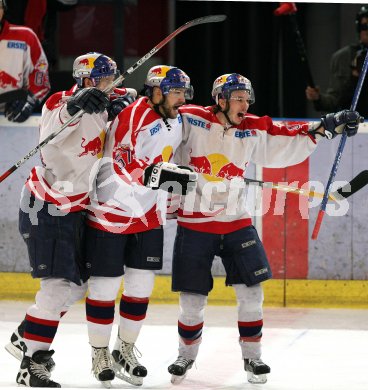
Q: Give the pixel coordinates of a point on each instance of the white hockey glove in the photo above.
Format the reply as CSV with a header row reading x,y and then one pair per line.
x,y
170,177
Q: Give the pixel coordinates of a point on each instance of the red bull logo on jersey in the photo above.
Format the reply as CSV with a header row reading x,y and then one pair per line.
x,y
165,156
199,123
41,65
7,79
216,167
94,146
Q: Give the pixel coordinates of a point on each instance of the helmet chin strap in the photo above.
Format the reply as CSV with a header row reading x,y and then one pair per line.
x,y
156,107
225,112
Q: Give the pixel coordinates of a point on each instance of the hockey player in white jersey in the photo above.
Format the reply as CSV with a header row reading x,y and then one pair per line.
x,y
124,235
218,143
23,68
51,216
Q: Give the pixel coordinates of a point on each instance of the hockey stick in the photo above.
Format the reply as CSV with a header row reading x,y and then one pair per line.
x,y
344,192
286,188
354,185
290,10
10,96
195,22
340,149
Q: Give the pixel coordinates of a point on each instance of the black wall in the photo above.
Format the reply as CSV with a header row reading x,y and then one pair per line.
x,y
257,44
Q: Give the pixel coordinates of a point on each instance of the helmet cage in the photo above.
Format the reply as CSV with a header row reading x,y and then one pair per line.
x,y
3,4
94,66
167,78
226,84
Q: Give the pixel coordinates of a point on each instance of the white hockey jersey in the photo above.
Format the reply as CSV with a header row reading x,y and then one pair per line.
x,y
221,157
137,138
23,63
71,159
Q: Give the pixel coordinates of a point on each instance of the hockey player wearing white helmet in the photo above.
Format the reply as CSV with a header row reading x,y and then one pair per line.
x,y
124,235
218,143
52,212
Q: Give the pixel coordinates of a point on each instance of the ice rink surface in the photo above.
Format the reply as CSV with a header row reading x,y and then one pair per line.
x,y
307,349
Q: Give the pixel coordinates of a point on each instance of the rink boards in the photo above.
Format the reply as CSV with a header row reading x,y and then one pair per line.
x,y
299,263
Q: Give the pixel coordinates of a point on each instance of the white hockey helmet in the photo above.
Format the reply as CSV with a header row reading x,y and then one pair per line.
x,y
94,66
224,85
167,77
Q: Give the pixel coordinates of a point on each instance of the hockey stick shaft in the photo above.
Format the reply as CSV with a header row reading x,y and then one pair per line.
x,y
290,9
301,50
340,149
286,188
192,23
344,192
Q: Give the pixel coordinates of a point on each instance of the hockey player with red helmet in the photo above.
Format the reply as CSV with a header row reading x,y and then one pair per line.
x,y
124,235
51,216
218,143
23,65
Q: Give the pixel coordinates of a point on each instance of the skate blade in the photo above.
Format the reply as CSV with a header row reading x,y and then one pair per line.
x,y
14,351
133,380
256,379
106,384
176,379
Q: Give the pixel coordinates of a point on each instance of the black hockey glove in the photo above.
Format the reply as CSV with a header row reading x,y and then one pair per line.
x,y
336,123
91,100
117,105
170,177
20,110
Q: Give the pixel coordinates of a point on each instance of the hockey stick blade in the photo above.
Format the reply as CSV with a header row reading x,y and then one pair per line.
x,y
195,22
17,94
354,185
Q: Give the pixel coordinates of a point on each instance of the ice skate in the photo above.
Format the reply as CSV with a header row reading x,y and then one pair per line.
x,y
179,368
33,371
102,366
126,364
17,346
256,370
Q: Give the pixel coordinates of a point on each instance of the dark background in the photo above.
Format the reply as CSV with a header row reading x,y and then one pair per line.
x,y
252,41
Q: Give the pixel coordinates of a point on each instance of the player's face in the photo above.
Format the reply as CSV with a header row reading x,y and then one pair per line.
x,y
239,104
106,82
1,13
173,100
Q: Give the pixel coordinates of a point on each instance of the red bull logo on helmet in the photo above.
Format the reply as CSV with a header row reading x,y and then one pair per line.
x,y
160,71
87,62
216,167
